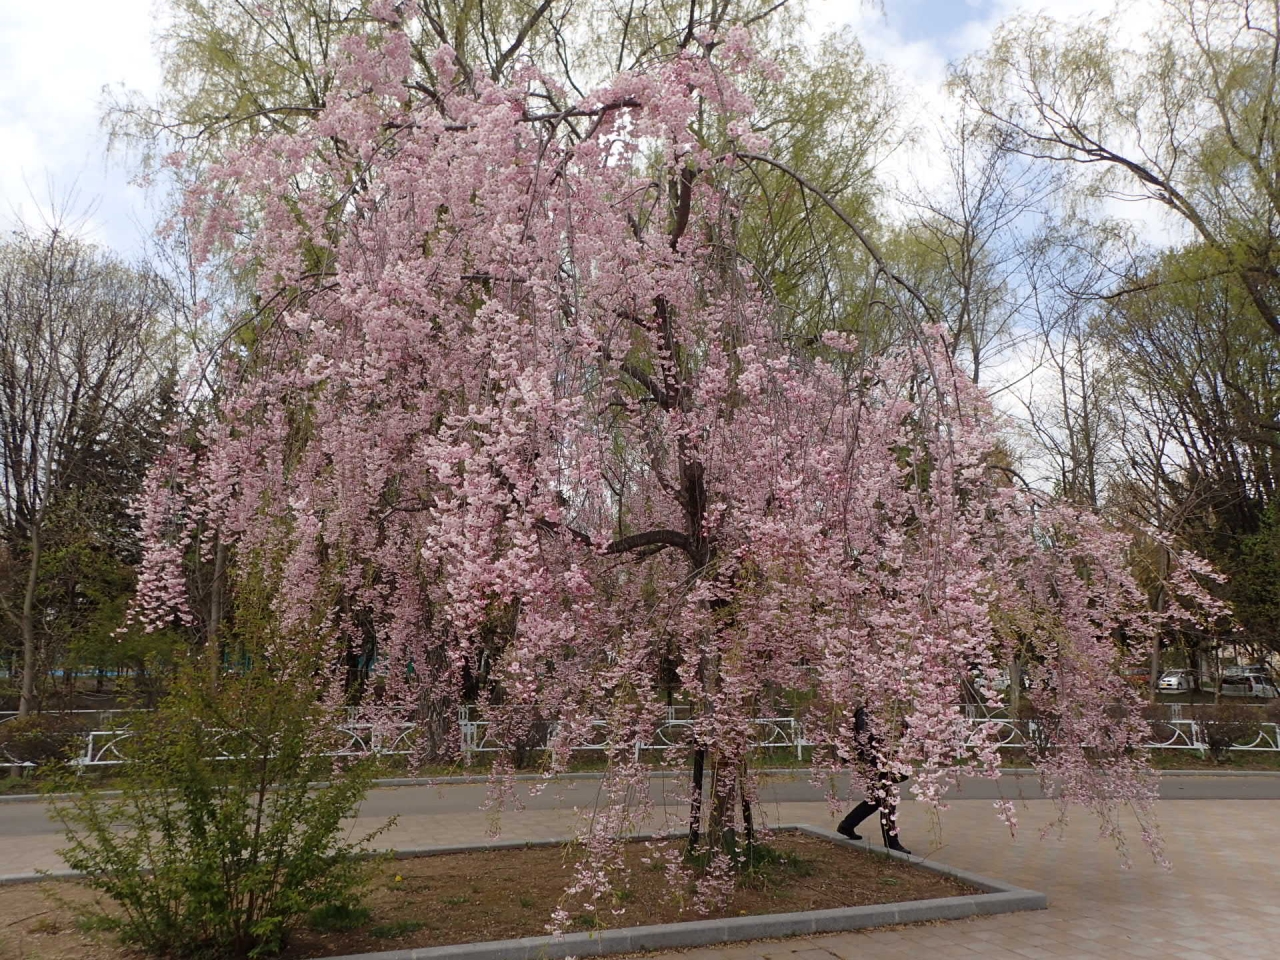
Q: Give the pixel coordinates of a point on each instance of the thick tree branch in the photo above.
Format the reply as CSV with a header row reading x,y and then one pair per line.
x,y
650,538
658,394
628,544
684,204
518,42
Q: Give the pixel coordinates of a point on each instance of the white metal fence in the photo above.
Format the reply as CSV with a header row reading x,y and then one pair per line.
x,y
102,748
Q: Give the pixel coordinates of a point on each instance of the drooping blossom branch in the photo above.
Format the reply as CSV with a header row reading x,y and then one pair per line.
x,y
531,359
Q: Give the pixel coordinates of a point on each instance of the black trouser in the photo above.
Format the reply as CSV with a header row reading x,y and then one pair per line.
x,y
880,797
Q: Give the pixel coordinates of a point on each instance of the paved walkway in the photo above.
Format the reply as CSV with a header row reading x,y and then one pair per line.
x,y
1220,900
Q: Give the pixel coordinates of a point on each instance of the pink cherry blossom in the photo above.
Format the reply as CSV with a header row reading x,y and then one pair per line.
x,y
518,418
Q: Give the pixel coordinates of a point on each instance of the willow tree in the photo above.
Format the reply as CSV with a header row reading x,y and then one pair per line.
x,y
1188,119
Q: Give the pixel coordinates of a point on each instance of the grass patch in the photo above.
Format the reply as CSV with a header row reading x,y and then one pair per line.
x,y
396,929
338,918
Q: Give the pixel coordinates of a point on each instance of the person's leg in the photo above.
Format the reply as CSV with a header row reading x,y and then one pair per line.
x,y
888,823
849,825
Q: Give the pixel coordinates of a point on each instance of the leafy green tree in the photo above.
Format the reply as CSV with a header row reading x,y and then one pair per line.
x,y
1255,588
1199,388
1190,120
84,372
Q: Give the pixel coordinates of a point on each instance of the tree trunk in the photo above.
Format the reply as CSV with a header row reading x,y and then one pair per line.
x,y
27,696
1160,602
695,798
718,828
212,643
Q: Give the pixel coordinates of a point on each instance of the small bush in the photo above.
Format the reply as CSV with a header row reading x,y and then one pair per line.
x,y
1224,725
217,846
1039,728
1272,711
39,738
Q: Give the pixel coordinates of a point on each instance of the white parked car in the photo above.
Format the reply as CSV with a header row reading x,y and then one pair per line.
x,y
1176,681
1249,685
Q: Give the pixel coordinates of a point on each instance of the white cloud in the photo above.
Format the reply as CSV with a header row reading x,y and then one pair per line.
x,y
55,58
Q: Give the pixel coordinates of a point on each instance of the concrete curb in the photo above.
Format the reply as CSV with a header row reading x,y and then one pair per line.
x,y
998,898
657,775
1219,773
402,782
11,879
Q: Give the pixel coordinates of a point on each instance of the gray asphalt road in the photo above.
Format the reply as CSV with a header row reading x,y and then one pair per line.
x,y
32,819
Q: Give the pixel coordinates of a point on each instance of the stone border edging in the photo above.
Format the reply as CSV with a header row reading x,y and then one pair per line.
x,y
13,879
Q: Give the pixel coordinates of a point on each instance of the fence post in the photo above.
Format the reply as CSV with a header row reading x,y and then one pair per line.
x,y
465,727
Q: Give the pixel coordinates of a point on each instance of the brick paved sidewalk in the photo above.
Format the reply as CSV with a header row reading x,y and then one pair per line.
x,y
1220,900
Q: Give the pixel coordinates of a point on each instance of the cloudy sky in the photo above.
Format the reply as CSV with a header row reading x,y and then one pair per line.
x,y
56,58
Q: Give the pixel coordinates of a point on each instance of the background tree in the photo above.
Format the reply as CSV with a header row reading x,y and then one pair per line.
x,y
1189,121
1200,387
83,373
1182,326
976,244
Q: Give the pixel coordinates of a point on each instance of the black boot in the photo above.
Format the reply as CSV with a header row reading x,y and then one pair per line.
x,y
848,826
891,839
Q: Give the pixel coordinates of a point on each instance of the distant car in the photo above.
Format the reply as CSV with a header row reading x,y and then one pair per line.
x,y
1245,669
1249,685
1176,681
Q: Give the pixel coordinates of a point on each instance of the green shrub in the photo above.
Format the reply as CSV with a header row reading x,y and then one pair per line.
x,y
39,738
217,847
1039,728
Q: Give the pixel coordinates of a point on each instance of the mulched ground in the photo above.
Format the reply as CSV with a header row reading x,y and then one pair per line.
x,y
459,898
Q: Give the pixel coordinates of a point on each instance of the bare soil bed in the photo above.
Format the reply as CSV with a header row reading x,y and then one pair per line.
x,y
496,895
